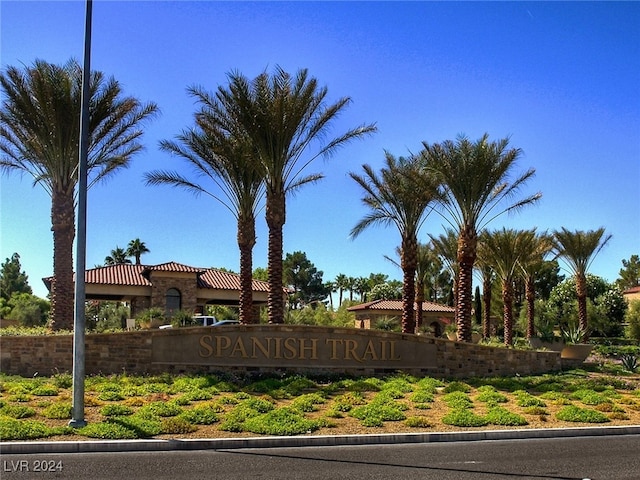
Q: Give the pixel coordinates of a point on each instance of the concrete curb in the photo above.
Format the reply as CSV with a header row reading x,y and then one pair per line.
x,y
15,448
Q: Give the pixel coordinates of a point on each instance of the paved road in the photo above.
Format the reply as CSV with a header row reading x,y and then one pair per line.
x,y
595,458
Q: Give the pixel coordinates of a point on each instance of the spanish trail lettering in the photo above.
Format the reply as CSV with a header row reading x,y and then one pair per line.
x,y
296,348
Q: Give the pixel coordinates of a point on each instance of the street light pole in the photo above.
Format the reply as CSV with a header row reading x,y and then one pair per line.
x,y
77,419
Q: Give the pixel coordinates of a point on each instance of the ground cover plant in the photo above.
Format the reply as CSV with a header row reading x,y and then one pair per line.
x,y
210,406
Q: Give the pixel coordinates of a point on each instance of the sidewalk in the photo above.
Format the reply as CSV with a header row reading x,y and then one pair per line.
x,y
15,448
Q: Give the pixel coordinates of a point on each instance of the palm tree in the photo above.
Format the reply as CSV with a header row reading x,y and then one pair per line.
x,y
118,256
39,135
283,115
136,249
504,250
445,246
218,150
361,286
475,176
579,248
341,283
401,195
487,275
531,263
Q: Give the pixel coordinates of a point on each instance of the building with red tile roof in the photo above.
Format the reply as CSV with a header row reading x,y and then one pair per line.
x,y
631,294
170,286
434,315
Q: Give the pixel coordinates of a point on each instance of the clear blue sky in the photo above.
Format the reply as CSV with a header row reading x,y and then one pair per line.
x,y
561,79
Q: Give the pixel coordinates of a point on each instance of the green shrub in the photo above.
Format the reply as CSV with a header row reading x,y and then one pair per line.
x,y
400,385
17,411
142,427
62,380
422,396
201,415
417,422
571,413
308,402
160,409
116,410
58,410
535,411
346,401
177,425
457,399
14,429
525,399
110,396
374,413
462,417
490,396
457,387
108,431
502,416
281,421
429,384
46,390
589,397
557,398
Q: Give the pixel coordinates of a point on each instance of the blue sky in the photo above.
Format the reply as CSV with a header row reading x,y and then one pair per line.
x,y
562,80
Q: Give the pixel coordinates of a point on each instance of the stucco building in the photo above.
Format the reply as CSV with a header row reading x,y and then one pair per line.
x,y
169,286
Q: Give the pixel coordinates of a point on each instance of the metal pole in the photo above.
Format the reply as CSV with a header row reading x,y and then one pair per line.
x,y
77,419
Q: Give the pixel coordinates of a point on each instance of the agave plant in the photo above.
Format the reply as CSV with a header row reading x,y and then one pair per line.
x,y
629,362
575,334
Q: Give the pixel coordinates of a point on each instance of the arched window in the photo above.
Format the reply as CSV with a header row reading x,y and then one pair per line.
x,y
173,302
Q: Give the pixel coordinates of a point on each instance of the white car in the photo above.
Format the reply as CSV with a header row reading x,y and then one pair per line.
x,y
207,321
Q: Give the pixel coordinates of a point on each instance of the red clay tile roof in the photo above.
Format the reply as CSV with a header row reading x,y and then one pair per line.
x,y
397,305
632,290
124,274
138,275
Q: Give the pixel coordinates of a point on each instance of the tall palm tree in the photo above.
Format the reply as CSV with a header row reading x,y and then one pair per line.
x,y
578,249
531,263
487,275
341,283
39,135
401,196
283,115
504,250
445,246
475,176
219,151
118,256
136,249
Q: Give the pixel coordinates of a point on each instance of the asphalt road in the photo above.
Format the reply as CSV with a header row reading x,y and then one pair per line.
x,y
595,458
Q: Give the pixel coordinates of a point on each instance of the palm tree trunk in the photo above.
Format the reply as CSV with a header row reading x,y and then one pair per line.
x,y
246,242
419,301
467,253
581,290
507,298
486,300
275,215
408,261
530,295
62,287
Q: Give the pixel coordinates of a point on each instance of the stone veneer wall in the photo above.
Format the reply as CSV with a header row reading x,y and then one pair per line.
x,y
131,352
187,285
